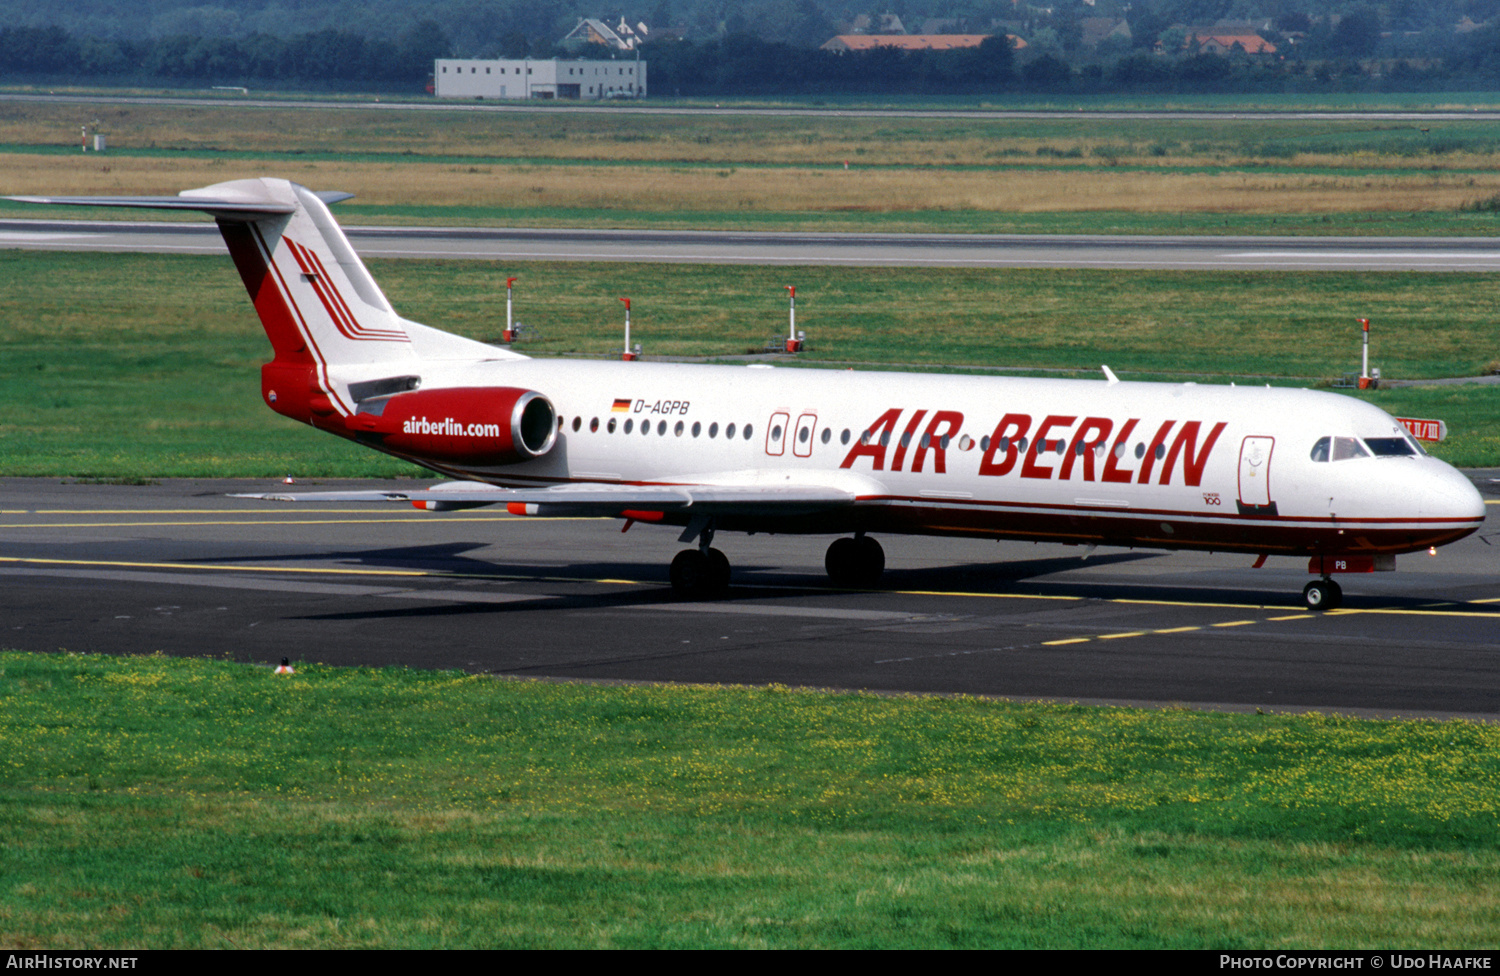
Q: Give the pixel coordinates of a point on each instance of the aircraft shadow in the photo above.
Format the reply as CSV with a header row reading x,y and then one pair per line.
x,y
445,557
1003,571
450,558
762,582
751,583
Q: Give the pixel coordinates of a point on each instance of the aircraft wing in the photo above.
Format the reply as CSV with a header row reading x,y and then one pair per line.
x,y
597,498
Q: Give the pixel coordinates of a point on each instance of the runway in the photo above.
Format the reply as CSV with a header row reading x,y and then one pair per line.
x,y
181,568
401,103
807,249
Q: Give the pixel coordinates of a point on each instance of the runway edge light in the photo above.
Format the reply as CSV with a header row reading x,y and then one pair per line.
x,y
794,339
509,335
1366,380
629,355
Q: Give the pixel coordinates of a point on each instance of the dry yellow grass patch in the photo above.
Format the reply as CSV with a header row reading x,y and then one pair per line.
x,y
728,189
86,174
1434,164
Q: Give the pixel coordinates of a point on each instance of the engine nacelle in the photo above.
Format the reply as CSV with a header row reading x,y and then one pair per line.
x,y
471,425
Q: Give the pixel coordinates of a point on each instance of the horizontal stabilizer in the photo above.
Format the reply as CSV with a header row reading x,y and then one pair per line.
x,y
241,209
230,206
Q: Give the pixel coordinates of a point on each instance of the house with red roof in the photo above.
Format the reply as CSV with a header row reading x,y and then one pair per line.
x,y
1225,43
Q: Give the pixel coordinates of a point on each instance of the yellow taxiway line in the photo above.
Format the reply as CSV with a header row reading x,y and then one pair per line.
x,y
541,577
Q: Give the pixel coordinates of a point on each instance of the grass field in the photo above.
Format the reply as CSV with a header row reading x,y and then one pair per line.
x,y
156,373
155,802
959,175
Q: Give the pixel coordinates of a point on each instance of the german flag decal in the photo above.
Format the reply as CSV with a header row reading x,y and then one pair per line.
x,y
621,406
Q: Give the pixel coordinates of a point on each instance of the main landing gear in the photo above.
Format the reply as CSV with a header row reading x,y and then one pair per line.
x,y
856,562
703,573
1323,594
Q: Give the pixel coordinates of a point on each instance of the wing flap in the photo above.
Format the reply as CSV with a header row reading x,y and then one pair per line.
x,y
595,498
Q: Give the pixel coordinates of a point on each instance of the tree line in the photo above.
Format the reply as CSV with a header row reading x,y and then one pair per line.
x,y
325,58
749,65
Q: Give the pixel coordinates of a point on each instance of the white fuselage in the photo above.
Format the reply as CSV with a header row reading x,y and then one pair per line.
x,y
1127,463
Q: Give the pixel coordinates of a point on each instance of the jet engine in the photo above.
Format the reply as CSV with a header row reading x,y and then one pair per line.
x,y
464,425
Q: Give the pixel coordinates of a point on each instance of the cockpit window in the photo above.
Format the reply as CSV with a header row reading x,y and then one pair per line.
x,y
1389,446
1345,448
1320,449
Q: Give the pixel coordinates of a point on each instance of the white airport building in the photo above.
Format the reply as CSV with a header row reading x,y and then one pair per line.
x,y
460,78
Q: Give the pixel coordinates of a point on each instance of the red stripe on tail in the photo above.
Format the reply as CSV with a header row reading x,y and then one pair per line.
x,y
331,297
270,304
338,310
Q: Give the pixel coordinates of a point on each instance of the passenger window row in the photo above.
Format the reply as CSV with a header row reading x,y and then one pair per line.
x,y
679,428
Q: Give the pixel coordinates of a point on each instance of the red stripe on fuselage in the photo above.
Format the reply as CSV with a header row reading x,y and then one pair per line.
x,y
1167,530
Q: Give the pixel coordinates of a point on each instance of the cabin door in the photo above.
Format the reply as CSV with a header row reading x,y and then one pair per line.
x,y
1255,473
807,425
777,434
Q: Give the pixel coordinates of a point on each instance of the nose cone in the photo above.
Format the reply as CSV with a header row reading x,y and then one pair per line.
x,y
1446,493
